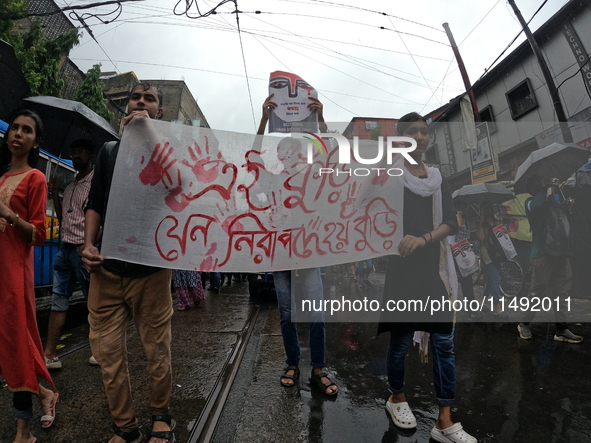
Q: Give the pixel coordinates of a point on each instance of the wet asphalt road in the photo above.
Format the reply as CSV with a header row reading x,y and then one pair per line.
x,y
508,390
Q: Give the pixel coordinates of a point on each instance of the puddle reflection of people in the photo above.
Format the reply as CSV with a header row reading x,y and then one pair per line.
x,y
423,269
23,197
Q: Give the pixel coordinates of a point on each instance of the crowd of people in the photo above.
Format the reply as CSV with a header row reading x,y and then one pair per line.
x,y
117,291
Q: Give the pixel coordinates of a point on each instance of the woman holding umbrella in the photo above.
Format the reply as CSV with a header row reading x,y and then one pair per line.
x,y
23,196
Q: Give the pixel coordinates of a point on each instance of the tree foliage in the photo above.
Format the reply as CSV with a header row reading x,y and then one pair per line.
x,y
91,93
40,59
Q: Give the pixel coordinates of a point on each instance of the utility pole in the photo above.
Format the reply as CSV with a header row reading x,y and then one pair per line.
x,y
464,73
560,114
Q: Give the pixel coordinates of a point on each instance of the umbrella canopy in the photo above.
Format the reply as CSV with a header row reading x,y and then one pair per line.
x,y
66,121
493,192
554,161
14,86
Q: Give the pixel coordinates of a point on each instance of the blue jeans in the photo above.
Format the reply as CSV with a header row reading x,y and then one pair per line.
x,y
441,349
67,268
311,283
214,279
492,280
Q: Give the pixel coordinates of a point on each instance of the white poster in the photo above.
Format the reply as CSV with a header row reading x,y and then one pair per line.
x,y
290,93
192,198
505,241
465,257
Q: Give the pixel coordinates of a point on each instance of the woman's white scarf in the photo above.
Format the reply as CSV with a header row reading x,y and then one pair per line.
x,y
426,187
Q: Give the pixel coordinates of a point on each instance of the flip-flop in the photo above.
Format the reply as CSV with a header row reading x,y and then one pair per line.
x,y
48,419
32,441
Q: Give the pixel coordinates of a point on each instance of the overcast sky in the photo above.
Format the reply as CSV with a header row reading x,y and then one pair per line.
x,y
337,46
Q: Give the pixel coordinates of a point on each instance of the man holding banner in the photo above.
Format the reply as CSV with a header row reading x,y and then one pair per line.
x,y
120,289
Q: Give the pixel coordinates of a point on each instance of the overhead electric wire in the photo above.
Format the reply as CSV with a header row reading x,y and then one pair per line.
x,y
414,61
244,62
512,41
85,6
339,20
344,55
344,6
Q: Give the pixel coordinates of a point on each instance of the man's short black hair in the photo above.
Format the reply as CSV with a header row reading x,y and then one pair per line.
x,y
83,143
407,120
146,86
533,184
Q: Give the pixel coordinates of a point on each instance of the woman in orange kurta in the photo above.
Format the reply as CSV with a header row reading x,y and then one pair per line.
x,y
23,196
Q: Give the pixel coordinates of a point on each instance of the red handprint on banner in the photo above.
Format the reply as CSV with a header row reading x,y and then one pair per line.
x,y
157,168
207,170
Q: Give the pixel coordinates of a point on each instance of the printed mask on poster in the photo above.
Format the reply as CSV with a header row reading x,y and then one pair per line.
x,y
291,93
465,257
503,237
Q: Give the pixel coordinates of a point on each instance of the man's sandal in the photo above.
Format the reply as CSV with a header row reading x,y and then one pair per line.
x,y
165,435
316,379
134,436
293,377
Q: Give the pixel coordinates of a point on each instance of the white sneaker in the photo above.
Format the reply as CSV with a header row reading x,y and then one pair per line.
x,y
401,415
454,434
93,361
54,363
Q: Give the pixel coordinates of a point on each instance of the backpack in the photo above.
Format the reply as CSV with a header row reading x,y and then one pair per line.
x,y
554,226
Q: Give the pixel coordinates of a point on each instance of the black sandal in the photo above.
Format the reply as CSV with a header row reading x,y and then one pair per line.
x,y
165,435
294,377
316,379
134,436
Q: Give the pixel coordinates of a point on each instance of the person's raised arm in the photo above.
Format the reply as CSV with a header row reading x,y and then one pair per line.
x,y
316,105
268,106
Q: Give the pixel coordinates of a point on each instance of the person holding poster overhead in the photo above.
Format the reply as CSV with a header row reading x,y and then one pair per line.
x,y
294,107
311,282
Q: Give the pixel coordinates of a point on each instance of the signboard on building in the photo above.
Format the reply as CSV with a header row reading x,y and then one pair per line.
x,y
580,54
481,158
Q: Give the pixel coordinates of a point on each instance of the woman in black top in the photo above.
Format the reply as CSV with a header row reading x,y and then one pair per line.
x,y
421,273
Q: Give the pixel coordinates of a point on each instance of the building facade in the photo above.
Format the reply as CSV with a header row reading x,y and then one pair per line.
x,y
178,105
515,102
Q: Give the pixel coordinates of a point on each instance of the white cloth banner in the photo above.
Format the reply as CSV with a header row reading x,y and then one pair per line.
x,y
192,198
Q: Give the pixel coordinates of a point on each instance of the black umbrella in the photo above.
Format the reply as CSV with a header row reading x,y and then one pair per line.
x,y
13,85
554,161
493,192
66,121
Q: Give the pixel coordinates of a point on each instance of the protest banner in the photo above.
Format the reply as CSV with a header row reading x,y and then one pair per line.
x,y
184,197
